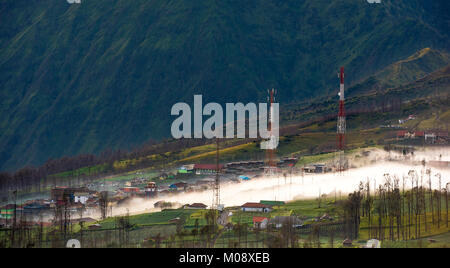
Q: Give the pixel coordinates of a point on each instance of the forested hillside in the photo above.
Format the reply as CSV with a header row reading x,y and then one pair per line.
x,y
102,74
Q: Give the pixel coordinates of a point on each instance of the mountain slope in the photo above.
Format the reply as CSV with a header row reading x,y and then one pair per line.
x,y
435,85
104,74
411,69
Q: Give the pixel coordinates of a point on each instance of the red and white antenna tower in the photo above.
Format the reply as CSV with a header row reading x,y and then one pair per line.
x,y
341,125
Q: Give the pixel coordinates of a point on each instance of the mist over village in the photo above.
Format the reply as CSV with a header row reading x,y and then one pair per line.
x,y
215,132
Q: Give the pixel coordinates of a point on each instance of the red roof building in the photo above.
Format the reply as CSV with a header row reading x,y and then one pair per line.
x,y
131,190
259,219
207,168
260,222
254,205
401,133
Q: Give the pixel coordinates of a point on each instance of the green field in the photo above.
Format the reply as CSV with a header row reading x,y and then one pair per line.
x,y
148,219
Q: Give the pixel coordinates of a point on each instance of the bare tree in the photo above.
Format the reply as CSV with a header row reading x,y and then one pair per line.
x,y
103,203
447,186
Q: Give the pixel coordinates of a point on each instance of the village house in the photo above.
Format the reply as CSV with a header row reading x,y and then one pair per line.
x,y
186,169
256,207
63,195
403,134
430,138
81,197
438,137
151,189
280,221
131,191
373,243
260,222
202,169
179,186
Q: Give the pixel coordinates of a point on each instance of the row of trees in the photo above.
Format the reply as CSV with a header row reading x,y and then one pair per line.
x,y
80,168
36,178
394,213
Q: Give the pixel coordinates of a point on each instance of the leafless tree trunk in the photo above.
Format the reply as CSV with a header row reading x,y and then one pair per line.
x,y
446,201
431,195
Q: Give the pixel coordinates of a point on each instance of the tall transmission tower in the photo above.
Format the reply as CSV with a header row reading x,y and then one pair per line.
x,y
341,125
271,168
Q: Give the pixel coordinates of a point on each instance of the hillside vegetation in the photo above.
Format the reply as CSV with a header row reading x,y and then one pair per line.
x,y
104,74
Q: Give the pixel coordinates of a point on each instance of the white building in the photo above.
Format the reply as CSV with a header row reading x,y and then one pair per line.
x,y
81,197
255,207
373,243
430,138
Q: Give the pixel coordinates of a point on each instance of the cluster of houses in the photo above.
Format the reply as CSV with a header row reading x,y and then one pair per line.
x,y
42,211
317,168
74,200
137,182
141,187
150,189
429,137
266,207
234,167
200,169
258,222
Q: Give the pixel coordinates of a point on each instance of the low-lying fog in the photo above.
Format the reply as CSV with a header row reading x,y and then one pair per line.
x,y
371,168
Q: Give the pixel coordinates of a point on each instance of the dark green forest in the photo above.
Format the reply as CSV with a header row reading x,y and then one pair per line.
x,y
103,74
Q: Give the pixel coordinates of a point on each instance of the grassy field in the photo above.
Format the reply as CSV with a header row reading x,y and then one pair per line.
x,y
155,218
150,225
311,208
85,171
